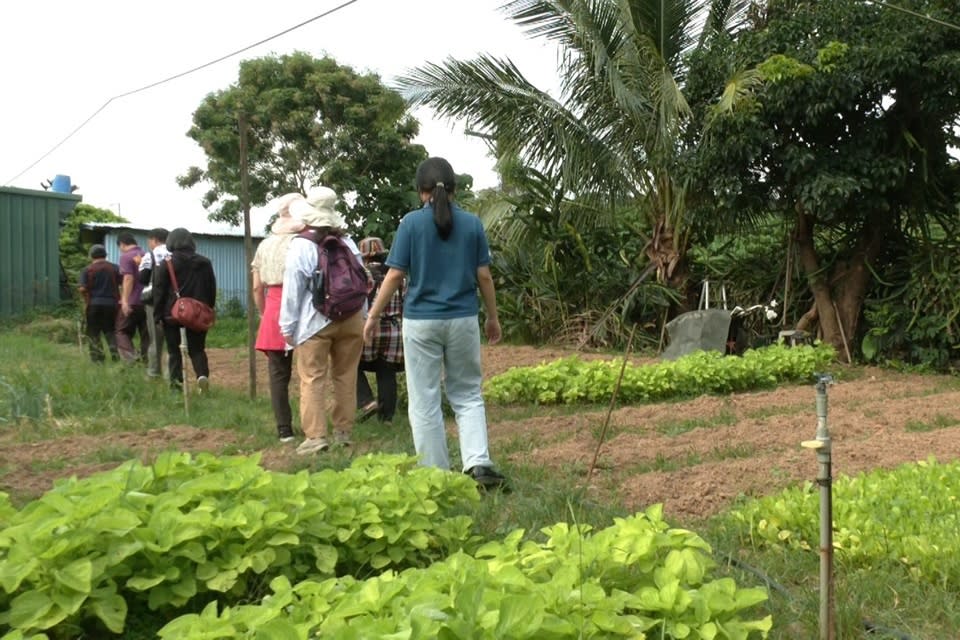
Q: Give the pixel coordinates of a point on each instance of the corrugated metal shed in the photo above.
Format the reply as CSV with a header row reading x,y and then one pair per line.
x,y
225,251
30,224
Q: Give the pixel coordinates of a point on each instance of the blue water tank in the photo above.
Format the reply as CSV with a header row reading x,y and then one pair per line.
x,y
60,184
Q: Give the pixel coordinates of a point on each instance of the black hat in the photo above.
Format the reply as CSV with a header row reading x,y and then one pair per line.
x,y
98,251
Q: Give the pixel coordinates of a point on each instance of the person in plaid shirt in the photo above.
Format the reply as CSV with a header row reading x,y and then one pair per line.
x,y
384,354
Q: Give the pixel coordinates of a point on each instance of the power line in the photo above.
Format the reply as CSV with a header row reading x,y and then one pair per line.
x,y
916,14
176,76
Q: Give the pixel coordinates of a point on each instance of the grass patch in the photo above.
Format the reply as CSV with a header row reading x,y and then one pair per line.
x,y
779,410
723,418
664,464
939,421
52,464
514,412
72,395
111,454
229,332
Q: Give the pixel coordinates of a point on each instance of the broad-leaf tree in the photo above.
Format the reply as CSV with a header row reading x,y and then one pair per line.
x,y
612,135
841,117
309,121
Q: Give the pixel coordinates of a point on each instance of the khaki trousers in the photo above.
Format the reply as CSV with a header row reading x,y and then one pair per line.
x,y
333,353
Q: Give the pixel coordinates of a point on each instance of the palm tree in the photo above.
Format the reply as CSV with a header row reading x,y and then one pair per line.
x,y
613,135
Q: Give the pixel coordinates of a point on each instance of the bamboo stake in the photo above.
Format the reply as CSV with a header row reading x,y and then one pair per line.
x,y
787,276
843,334
248,254
613,399
183,370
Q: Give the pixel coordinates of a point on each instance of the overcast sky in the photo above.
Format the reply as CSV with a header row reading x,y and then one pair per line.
x,y
63,59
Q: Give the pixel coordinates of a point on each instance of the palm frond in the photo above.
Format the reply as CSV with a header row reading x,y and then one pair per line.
x,y
725,16
739,92
668,28
540,18
494,95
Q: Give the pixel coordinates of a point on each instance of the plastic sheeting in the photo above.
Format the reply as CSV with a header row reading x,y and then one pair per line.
x,y
703,330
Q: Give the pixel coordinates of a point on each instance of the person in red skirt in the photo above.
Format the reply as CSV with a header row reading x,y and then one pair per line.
x,y
267,267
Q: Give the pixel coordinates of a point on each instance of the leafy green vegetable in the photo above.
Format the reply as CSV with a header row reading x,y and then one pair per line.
x,y
572,380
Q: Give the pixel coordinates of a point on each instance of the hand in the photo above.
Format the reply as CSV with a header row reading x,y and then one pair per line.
x,y
492,329
126,309
370,328
289,340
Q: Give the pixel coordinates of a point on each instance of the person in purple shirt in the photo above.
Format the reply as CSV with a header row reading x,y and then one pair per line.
x,y
132,318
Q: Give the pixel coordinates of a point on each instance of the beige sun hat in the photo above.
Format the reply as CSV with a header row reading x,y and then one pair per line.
x,y
285,222
317,209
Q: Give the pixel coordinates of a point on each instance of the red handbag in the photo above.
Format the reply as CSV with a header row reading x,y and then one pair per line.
x,y
189,312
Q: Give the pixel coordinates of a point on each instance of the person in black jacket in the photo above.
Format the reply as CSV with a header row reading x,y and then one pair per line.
x,y
100,287
195,277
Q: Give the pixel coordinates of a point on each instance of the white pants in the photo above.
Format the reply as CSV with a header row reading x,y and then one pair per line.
x,y
446,351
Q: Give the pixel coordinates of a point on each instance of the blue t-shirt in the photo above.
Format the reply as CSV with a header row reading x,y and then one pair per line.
x,y
441,274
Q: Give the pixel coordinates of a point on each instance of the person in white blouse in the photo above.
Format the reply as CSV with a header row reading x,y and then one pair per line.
x,y
156,254
267,269
324,348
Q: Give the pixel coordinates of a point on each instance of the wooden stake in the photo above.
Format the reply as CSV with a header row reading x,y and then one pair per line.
x,y
248,252
184,360
843,334
613,400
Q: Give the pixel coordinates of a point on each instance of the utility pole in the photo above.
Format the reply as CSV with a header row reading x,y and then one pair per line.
x,y
248,252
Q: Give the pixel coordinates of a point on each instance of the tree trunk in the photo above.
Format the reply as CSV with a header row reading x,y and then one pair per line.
x,y
838,296
673,268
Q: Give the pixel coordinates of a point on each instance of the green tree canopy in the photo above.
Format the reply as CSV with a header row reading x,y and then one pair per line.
x,y
310,121
612,136
840,116
73,253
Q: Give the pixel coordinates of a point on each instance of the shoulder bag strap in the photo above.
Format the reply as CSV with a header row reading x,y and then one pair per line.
x,y
173,276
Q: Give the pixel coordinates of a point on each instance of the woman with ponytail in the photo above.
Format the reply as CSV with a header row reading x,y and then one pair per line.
x,y
443,253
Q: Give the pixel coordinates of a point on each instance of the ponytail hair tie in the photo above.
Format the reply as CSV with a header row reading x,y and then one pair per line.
x,y
439,186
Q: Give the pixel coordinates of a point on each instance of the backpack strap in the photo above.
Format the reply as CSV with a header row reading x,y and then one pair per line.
x,y
317,239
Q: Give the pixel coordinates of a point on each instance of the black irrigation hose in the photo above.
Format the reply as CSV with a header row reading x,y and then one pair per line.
x,y
871,628
770,582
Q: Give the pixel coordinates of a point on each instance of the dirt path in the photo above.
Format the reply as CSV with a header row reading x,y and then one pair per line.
x,y
694,456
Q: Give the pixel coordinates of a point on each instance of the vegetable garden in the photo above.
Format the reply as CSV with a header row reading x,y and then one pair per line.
x,y
680,531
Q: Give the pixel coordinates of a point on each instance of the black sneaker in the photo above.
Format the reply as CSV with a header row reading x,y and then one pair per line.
x,y
285,433
488,479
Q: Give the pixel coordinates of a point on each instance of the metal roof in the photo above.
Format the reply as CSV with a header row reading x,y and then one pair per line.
x,y
225,251
216,229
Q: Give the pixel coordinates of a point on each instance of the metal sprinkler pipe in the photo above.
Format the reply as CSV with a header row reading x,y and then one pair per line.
x,y
821,445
